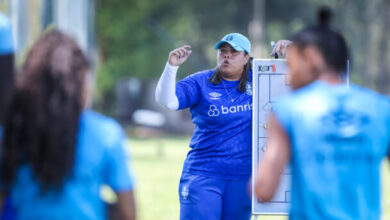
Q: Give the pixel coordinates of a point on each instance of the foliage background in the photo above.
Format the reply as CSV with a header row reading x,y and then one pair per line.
x,y
135,36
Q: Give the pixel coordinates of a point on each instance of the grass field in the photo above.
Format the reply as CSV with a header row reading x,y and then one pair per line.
x,y
157,164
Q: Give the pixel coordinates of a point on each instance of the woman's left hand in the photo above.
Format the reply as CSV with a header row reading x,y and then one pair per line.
x,y
281,48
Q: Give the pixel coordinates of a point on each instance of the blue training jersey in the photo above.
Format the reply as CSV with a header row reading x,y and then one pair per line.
x,y
221,145
339,136
100,159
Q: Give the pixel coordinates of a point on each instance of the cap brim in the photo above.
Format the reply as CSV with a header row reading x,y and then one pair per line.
x,y
235,46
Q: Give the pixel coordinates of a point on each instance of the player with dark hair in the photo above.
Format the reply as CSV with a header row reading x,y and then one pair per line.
x,y
214,181
56,155
334,136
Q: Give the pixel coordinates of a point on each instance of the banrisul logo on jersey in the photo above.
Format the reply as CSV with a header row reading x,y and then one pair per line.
x,y
215,111
267,68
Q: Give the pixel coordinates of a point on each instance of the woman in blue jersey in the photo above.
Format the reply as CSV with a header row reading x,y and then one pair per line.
x,y
214,181
55,155
334,136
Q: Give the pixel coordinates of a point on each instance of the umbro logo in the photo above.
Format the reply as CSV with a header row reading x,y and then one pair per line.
x,y
215,95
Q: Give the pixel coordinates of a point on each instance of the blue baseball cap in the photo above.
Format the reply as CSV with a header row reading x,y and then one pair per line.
x,y
6,43
238,41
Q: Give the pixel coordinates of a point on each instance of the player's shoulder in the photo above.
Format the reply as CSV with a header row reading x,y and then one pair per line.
x,y
101,127
100,119
366,91
371,95
304,96
201,75
299,94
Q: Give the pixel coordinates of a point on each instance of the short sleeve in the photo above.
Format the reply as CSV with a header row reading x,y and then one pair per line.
x,y
187,91
119,172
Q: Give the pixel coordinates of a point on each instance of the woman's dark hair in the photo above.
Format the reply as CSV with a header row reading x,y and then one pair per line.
x,y
42,129
216,78
6,83
330,42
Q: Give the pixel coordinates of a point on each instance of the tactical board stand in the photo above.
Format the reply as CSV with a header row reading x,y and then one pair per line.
x,y
270,81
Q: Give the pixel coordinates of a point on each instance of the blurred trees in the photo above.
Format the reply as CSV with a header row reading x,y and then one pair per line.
x,y
135,36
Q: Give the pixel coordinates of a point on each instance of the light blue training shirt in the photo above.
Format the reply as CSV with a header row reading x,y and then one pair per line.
x,y
221,145
339,137
100,159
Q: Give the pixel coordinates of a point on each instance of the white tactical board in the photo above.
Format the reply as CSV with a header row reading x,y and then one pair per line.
x,y
269,83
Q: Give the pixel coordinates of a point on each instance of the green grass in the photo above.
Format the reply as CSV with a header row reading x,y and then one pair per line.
x,y
157,164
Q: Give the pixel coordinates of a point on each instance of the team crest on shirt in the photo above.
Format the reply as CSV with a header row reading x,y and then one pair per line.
x,y
185,192
215,95
249,88
345,125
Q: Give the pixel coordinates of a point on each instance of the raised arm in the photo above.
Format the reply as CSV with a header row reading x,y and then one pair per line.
x,y
273,161
165,91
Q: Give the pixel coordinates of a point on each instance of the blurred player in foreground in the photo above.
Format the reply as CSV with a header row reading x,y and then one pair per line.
x,y
334,137
55,154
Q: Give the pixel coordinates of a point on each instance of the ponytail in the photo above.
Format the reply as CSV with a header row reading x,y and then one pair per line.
x,y
330,42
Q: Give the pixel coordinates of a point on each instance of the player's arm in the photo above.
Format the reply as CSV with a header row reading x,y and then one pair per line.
x,y
273,161
126,205
166,91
